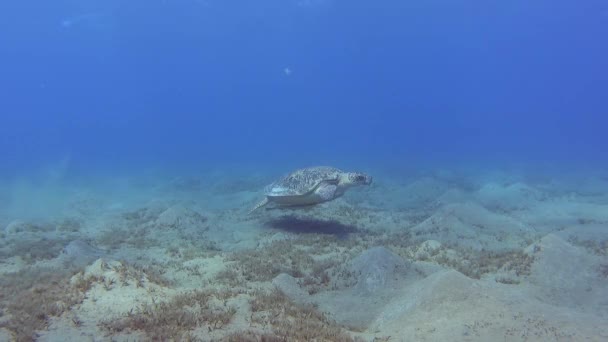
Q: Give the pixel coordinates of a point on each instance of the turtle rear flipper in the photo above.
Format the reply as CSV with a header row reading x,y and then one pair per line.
x,y
259,205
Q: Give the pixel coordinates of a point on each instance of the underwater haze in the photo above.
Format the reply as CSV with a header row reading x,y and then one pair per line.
x,y
303,170
130,83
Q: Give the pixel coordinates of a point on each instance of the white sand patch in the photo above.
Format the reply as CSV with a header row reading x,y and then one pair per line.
x,y
10,265
115,291
197,273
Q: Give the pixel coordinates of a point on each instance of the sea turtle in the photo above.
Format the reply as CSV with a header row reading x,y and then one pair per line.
x,y
310,186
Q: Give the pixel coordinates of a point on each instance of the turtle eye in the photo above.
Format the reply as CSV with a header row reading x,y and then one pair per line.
x,y
359,178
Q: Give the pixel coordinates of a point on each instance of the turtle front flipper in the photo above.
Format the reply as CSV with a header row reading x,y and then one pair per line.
x,y
259,205
326,191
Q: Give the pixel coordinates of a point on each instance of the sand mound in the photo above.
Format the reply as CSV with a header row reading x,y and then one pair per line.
x,y
180,217
376,269
569,276
471,225
448,306
366,284
81,253
508,198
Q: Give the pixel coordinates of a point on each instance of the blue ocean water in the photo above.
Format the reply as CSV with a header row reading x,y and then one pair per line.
x,y
127,84
138,139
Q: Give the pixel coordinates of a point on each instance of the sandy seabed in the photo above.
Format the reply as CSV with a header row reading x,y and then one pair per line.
x,y
436,256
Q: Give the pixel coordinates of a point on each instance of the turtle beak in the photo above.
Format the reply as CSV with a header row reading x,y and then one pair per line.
x,y
368,180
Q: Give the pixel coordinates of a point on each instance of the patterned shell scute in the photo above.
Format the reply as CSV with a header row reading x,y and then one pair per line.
x,y
302,181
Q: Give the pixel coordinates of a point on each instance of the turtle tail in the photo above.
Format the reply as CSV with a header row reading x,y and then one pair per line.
x,y
259,205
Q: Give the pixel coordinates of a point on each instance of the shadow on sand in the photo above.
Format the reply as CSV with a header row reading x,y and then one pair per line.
x,y
293,224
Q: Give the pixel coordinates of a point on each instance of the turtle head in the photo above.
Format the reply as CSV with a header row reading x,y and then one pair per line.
x,y
357,178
